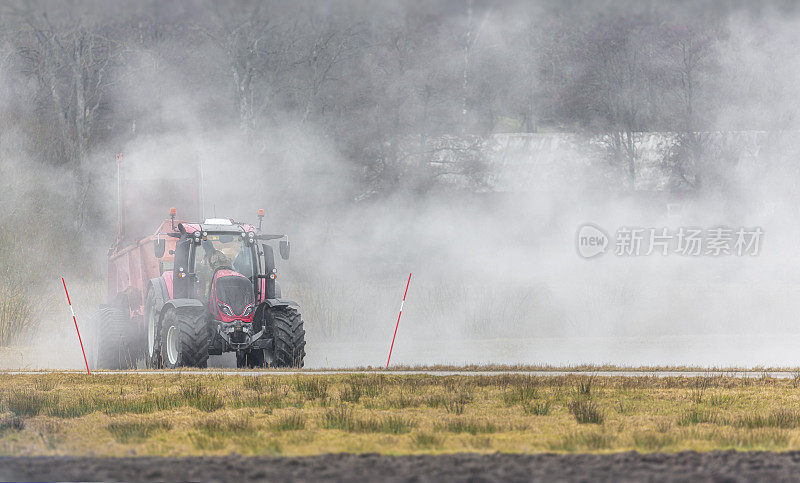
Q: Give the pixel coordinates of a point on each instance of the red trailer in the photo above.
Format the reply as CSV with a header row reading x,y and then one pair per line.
x,y
142,206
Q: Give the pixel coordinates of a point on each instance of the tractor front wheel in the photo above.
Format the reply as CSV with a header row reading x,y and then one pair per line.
x,y
184,337
288,335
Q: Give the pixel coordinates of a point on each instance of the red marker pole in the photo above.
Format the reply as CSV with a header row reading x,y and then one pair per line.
x,y
76,326
398,320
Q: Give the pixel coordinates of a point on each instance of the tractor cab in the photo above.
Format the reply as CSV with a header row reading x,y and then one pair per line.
x,y
204,249
220,251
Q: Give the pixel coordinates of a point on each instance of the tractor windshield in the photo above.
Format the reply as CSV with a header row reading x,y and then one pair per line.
x,y
222,251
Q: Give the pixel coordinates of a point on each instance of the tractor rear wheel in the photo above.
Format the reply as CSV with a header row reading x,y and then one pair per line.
x,y
110,343
153,304
184,337
288,335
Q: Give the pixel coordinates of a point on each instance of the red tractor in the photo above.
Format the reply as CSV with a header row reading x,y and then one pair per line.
x,y
191,290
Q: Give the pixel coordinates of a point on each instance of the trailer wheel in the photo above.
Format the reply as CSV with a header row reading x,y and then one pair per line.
x,y
153,304
110,344
288,335
184,337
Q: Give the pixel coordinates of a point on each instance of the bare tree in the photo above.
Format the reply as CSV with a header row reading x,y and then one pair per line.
x,y
72,65
689,48
613,95
244,33
325,47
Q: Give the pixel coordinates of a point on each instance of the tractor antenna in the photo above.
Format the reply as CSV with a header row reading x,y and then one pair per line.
x,y
172,212
260,218
201,188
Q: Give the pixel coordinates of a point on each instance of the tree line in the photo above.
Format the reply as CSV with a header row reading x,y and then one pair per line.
x,y
384,82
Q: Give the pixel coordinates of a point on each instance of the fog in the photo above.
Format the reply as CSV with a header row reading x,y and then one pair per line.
x,y
461,141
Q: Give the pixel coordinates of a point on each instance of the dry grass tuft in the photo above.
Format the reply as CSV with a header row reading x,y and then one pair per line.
x,y
590,440
780,418
198,397
225,425
584,387
132,431
27,403
340,418
697,415
537,408
290,422
20,313
352,393
256,384
652,440
386,424
762,439
11,423
586,411
311,388
523,392
470,426
425,440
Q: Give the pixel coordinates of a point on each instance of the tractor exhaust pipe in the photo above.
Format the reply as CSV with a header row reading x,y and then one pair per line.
x,y
120,209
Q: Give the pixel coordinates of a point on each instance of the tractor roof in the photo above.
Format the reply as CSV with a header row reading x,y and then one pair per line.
x,y
217,221
217,226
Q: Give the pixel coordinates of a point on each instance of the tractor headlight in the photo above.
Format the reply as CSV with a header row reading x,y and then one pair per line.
x,y
225,309
248,311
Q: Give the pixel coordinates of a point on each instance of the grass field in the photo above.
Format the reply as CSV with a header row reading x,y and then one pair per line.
x,y
174,414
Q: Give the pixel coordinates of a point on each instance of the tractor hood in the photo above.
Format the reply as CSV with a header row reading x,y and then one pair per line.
x,y
231,296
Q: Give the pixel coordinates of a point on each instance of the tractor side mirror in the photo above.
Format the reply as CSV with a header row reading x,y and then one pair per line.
x,y
283,247
159,245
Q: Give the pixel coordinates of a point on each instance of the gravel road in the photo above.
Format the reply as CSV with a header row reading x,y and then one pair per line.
x,y
692,466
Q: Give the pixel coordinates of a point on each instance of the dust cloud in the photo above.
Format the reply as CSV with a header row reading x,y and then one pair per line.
x,y
383,167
